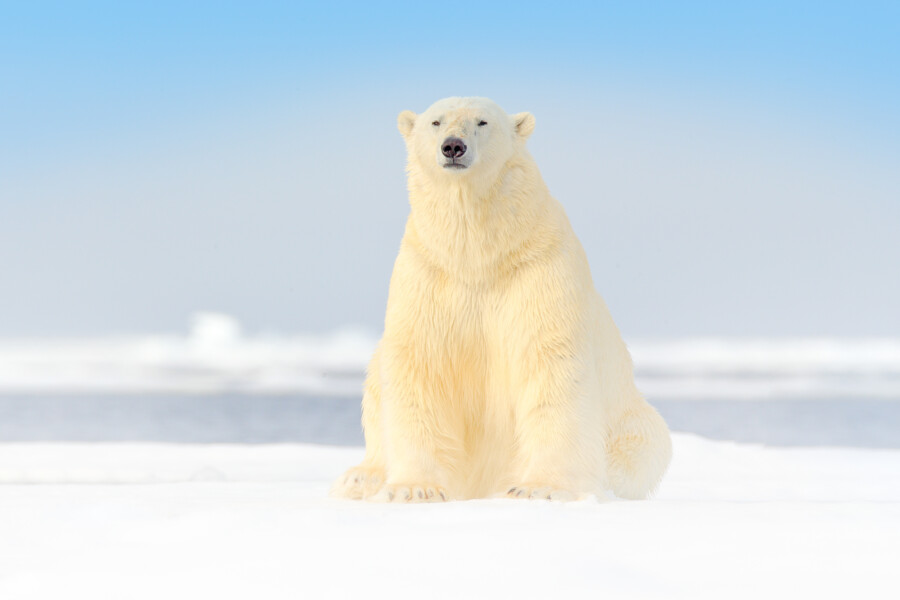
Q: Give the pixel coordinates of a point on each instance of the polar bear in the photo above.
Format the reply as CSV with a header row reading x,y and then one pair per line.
x,y
500,371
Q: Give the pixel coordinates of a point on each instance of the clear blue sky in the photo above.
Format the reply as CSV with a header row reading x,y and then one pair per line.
x,y
731,168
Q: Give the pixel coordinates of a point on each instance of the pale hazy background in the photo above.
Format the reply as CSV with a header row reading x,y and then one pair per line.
x,y
731,170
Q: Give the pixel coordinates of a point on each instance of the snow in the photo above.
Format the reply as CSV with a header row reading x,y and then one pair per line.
x,y
163,520
216,356
157,521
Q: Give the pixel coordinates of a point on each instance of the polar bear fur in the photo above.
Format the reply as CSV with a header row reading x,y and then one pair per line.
x,y
500,372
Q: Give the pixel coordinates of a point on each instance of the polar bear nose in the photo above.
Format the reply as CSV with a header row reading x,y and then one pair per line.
x,y
453,147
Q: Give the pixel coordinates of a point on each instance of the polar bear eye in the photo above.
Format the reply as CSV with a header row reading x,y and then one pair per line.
x,y
436,123
482,123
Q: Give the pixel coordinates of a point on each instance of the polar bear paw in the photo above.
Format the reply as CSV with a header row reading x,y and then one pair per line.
x,y
411,493
537,492
358,483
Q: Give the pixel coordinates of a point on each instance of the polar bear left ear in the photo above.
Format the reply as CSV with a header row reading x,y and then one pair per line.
x,y
524,123
405,122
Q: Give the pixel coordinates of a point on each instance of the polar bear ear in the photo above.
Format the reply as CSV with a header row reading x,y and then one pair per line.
x,y
405,122
524,123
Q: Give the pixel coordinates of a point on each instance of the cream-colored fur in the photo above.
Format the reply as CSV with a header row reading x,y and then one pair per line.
x,y
501,371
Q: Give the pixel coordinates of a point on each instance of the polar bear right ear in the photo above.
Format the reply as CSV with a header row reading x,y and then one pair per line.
x,y
524,123
405,122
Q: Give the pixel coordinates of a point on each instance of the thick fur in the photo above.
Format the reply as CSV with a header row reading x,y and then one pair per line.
x,y
501,371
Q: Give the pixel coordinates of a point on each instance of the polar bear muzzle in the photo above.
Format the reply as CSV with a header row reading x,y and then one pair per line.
x,y
454,149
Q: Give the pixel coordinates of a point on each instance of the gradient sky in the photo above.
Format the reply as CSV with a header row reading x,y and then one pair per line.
x,y
731,168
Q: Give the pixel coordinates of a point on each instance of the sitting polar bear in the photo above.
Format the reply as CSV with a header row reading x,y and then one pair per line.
x,y
501,371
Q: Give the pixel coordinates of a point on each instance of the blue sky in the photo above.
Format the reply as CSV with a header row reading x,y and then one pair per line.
x,y
165,158
102,67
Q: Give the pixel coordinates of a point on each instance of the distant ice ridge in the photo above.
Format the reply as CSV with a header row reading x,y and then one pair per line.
x,y
768,367
216,357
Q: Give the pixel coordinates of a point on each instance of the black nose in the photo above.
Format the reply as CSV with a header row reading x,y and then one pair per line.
x,y
453,147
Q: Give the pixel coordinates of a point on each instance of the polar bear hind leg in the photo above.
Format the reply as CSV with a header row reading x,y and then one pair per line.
x,y
638,449
368,478
362,481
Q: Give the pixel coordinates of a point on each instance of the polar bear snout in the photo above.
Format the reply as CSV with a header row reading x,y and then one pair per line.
x,y
453,151
453,147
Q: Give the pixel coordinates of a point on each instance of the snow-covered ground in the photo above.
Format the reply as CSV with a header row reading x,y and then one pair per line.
x,y
229,521
216,357
131,520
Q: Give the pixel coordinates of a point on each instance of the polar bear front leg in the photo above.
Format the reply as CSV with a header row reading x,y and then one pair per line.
x,y
549,456
413,473
415,446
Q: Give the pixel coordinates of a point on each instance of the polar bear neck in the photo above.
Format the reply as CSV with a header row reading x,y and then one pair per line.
x,y
473,228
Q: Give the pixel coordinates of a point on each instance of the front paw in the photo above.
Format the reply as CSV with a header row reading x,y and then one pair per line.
x,y
410,493
540,492
359,482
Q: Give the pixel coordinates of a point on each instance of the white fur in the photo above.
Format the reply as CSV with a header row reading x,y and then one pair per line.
x,y
501,371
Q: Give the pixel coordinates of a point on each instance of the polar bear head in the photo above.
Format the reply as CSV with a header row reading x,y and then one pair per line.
x,y
463,139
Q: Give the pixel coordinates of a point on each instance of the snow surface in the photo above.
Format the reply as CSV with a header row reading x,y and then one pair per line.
x,y
229,521
216,357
